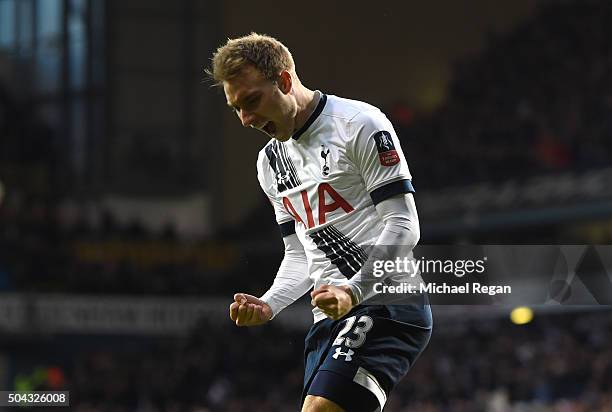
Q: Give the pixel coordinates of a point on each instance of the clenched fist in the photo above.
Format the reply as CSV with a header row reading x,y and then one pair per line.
x,y
247,310
334,301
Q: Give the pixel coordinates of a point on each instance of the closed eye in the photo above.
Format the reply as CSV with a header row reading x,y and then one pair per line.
x,y
250,103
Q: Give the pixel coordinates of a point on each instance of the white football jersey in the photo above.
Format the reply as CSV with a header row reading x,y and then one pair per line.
x,y
326,179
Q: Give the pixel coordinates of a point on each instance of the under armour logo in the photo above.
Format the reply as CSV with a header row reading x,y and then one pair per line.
x,y
282,179
347,355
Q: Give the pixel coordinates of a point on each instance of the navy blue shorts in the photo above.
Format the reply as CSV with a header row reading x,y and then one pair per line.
x,y
356,361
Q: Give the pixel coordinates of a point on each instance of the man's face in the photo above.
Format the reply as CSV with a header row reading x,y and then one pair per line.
x,y
259,103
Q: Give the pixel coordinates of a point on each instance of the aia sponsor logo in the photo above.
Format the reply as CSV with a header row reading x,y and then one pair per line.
x,y
323,190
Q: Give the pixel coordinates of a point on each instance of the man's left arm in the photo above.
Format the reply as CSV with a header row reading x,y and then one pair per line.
x,y
400,235
375,150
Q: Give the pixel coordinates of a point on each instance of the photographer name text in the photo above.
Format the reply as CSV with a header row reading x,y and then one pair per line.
x,y
443,289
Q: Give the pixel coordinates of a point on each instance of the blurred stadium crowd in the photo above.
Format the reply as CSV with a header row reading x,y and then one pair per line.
x,y
535,100
556,363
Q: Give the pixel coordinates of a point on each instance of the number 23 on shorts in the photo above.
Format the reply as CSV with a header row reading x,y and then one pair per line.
x,y
362,326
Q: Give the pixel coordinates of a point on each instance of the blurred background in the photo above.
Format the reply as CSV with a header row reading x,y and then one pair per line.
x,y
130,210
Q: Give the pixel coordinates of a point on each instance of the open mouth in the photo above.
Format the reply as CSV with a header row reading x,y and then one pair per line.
x,y
269,128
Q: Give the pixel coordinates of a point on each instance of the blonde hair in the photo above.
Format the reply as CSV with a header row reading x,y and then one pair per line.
x,y
263,52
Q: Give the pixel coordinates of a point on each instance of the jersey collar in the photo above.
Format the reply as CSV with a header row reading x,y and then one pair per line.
x,y
313,116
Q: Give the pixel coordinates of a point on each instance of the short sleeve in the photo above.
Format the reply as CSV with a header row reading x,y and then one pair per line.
x,y
377,154
267,181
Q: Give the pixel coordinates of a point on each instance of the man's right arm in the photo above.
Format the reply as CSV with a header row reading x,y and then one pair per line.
x,y
292,279
291,282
